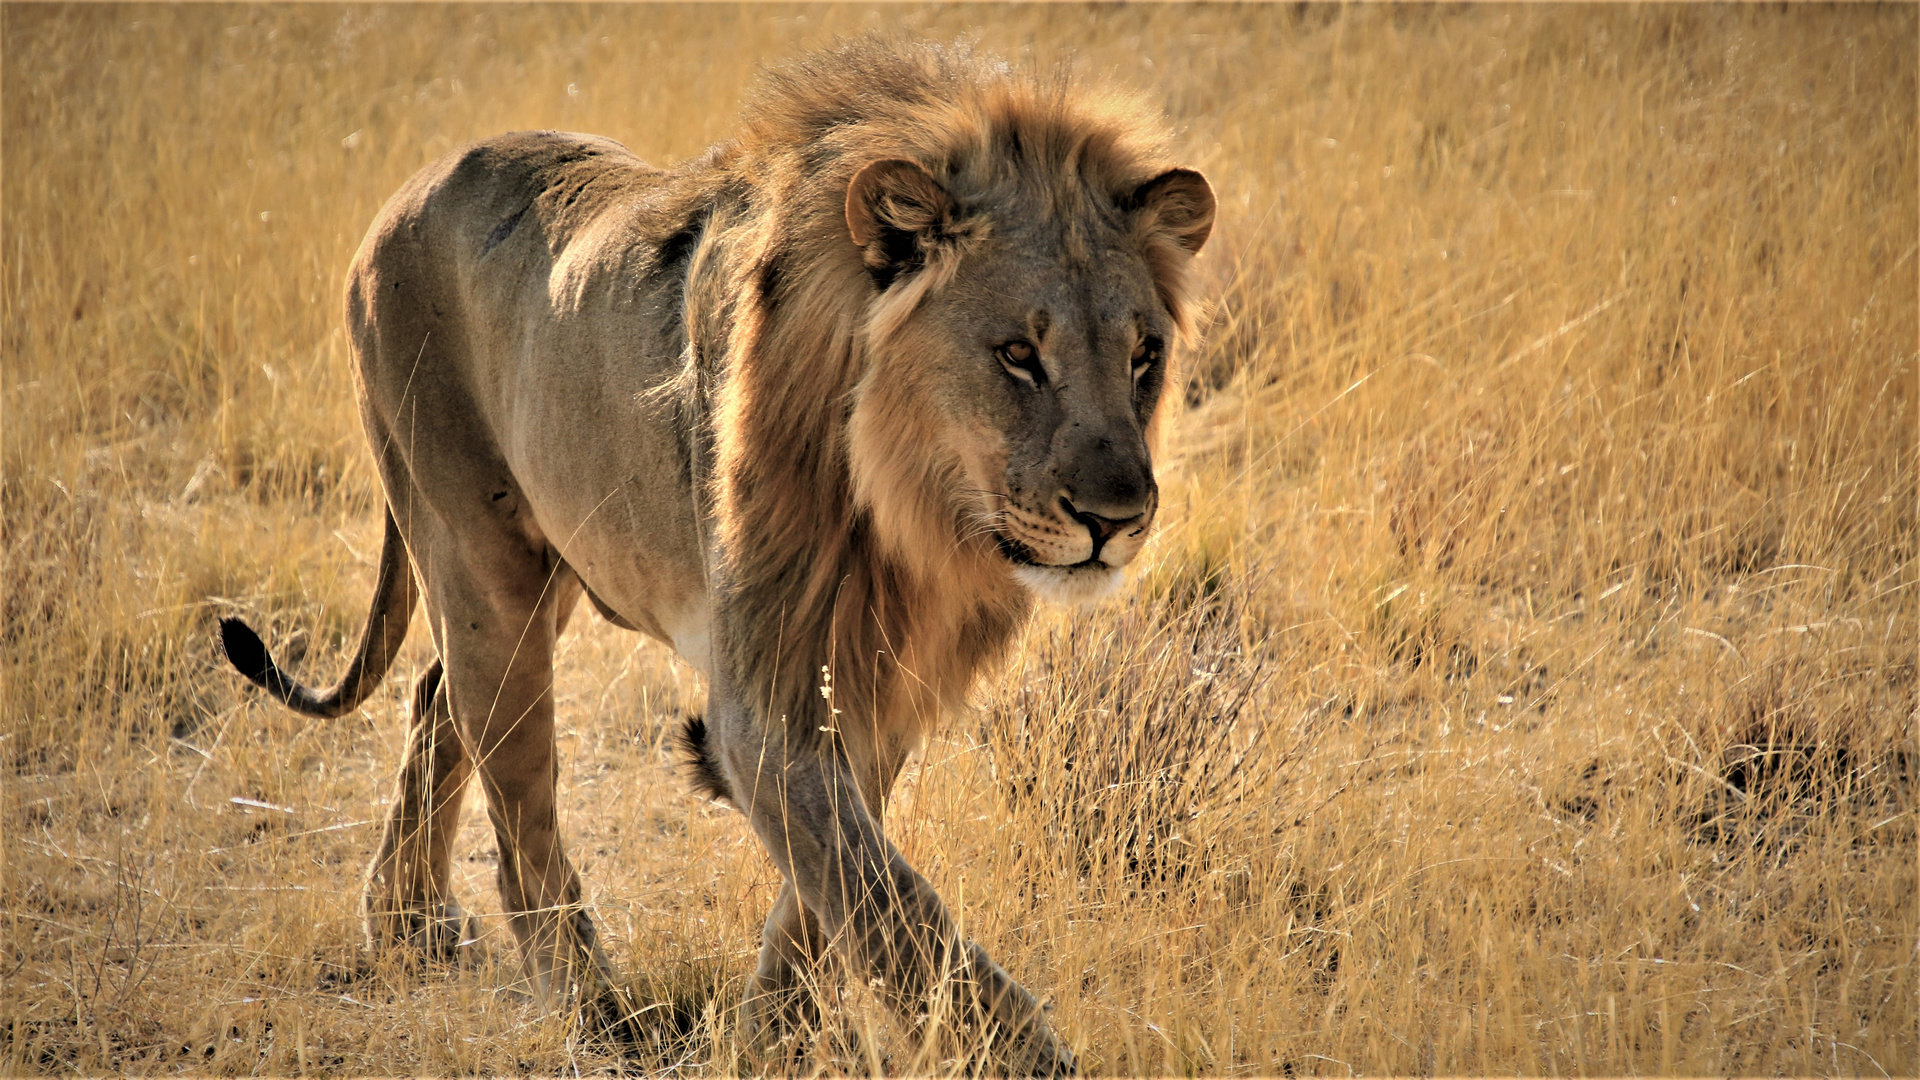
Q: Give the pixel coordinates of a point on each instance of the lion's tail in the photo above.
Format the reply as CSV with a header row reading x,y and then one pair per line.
x,y
380,642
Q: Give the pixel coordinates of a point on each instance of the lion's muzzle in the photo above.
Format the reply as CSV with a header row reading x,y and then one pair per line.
x,y
1070,536
1107,525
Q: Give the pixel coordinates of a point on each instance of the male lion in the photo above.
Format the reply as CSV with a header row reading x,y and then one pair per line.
x,y
823,410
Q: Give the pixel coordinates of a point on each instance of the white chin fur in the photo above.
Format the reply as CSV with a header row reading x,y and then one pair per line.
x,y
1069,585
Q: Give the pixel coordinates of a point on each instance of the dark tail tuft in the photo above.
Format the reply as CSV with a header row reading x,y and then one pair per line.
x,y
708,780
245,650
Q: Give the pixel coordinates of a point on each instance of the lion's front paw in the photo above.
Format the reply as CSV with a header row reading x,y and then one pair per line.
x,y
1028,1046
1043,1055
1022,1041
778,1023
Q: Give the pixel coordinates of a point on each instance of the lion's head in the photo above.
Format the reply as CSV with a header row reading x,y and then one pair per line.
x,y
1031,277
953,293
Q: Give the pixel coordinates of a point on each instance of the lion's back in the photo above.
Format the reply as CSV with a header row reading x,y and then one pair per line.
x,y
491,212
533,236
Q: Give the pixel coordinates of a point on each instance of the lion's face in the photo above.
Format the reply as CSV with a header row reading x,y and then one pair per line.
x,y
1035,365
1049,372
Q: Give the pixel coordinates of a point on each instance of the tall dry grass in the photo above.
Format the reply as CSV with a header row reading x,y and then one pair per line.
x,y
1524,680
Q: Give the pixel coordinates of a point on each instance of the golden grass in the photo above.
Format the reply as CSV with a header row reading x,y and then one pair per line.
x,y
1524,681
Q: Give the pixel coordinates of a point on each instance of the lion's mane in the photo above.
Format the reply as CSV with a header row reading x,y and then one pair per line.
x,y
845,543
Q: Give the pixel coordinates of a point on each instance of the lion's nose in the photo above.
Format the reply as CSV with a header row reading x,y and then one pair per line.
x,y
1105,526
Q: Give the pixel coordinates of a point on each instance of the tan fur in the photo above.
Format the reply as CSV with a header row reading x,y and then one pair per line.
x,y
762,407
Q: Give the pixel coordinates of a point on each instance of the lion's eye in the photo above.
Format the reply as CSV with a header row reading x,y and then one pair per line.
x,y
1021,362
1144,354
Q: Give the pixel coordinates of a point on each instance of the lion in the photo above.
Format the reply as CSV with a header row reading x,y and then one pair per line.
x,y
824,410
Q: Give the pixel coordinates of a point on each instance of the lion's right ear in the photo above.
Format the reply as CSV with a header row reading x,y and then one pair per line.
x,y
896,211
1178,203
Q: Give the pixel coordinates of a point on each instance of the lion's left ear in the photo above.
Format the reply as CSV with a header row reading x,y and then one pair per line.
x,y
1178,202
895,211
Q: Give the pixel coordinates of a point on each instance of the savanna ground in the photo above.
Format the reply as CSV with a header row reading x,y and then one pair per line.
x,y
1524,679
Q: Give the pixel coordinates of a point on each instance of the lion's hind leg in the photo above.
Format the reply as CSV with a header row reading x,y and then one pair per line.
x,y
409,904
497,611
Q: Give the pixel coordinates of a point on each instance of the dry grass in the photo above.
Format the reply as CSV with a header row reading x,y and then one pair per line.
x,y
1525,681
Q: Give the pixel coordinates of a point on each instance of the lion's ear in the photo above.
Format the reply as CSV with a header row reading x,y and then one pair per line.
x,y
1178,202
891,206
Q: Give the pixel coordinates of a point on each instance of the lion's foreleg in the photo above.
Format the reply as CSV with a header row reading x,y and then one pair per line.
x,y
408,904
885,920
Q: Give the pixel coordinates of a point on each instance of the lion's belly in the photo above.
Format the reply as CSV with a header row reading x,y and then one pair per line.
x,y
605,481
661,596
674,617
690,640
604,487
